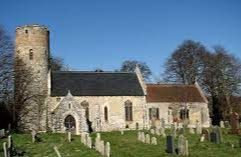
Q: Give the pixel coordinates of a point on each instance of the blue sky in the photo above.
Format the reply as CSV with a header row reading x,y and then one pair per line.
x,y
100,33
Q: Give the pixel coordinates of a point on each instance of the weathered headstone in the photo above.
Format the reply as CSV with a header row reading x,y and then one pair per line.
x,y
154,141
5,149
139,136
152,131
222,124
122,132
2,133
198,128
157,131
57,151
33,133
214,137
234,119
191,130
170,144
181,145
147,140
102,148
202,138
97,142
143,137
89,142
107,149
69,136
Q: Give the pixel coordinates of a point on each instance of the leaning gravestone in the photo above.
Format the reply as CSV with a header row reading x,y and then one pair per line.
x,y
235,128
170,144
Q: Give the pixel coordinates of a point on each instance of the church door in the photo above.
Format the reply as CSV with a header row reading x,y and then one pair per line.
x,y
69,123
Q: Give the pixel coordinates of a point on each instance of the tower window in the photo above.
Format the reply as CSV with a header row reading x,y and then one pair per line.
x,y
31,54
26,31
106,113
70,106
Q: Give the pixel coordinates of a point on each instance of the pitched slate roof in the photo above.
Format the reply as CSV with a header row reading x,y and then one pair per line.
x,y
95,84
173,93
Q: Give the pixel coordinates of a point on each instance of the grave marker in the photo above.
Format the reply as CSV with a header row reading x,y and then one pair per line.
x,y
69,136
5,149
147,140
170,144
107,149
57,151
235,123
154,141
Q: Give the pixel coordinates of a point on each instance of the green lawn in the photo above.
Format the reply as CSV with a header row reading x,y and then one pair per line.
x,y
121,146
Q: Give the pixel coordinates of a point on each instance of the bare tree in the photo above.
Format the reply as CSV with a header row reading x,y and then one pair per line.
x,y
221,80
186,63
130,65
57,64
6,81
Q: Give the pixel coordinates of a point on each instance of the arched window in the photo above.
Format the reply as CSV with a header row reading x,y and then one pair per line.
x,y
85,105
128,111
106,113
31,54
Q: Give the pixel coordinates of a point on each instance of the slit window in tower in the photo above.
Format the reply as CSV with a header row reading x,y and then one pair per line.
x,y
31,54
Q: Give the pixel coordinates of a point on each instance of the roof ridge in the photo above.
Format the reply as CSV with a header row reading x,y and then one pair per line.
x,y
166,84
105,72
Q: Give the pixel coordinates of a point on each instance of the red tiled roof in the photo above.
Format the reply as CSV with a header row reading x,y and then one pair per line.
x,y
173,93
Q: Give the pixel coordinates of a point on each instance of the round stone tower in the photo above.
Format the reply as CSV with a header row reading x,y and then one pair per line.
x,y
31,74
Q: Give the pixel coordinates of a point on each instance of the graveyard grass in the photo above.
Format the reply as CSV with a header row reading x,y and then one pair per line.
x,y
125,145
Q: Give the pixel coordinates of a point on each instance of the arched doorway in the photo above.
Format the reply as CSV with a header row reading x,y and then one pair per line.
x,y
69,123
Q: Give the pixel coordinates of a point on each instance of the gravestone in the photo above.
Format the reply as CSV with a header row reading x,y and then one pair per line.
x,y
214,137
5,149
222,124
218,130
143,137
97,142
147,140
33,133
2,133
198,128
191,130
234,120
89,142
170,144
206,134
202,138
152,131
107,149
122,132
139,136
102,148
154,141
83,137
182,145
157,131
69,136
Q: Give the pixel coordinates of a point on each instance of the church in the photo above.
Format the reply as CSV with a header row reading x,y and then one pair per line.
x,y
80,101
